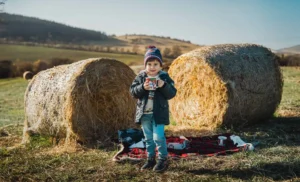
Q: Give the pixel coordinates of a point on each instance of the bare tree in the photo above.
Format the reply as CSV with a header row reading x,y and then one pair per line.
x,y
135,49
108,49
176,51
167,52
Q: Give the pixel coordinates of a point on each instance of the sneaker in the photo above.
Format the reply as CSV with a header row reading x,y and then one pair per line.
x,y
161,165
149,164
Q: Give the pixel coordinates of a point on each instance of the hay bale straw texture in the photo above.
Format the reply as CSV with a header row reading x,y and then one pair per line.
x,y
225,85
27,75
88,100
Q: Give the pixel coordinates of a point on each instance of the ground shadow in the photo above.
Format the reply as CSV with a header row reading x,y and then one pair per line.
x,y
274,132
274,171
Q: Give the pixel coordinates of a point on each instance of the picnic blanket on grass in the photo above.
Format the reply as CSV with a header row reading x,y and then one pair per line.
x,y
187,147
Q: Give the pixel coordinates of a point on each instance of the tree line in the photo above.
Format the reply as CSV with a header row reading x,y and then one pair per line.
x,y
9,68
289,60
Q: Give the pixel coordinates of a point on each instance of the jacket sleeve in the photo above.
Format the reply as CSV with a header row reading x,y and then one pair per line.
x,y
136,89
168,89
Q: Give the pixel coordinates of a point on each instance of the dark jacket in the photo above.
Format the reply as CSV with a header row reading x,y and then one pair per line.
x,y
161,97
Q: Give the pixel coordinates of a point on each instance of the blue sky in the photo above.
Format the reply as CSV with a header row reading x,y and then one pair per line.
x,y
272,23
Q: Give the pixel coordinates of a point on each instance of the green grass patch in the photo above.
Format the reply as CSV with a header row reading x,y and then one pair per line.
x,y
291,90
38,141
33,53
12,100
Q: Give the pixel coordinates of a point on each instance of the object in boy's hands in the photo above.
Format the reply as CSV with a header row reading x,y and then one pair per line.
x,y
152,83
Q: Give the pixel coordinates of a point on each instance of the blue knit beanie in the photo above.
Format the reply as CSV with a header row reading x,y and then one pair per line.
x,y
153,52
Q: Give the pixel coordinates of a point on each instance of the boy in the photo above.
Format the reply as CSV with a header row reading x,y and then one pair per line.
x,y
153,108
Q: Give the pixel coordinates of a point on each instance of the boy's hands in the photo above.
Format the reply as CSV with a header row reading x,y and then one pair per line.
x,y
146,85
160,83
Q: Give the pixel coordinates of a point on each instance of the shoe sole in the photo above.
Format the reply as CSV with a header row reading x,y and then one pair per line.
x,y
144,169
162,170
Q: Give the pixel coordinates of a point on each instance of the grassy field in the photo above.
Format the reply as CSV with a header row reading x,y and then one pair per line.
x,y
28,53
276,158
11,102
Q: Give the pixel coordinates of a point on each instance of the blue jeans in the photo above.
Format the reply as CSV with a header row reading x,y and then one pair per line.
x,y
154,136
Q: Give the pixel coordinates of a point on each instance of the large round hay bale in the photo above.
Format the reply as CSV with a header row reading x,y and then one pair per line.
x,y
27,75
88,100
225,85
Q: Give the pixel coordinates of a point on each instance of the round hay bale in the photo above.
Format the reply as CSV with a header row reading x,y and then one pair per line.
x,y
27,75
227,84
87,101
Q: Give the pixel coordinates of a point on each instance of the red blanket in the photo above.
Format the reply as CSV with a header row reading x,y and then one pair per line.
x,y
196,146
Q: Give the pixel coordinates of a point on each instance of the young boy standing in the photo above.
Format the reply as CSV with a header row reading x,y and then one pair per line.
x,y
153,88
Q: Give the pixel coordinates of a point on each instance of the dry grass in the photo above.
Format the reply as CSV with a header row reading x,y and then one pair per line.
x,y
275,159
143,41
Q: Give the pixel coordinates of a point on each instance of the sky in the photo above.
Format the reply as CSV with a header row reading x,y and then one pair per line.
x,y
272,23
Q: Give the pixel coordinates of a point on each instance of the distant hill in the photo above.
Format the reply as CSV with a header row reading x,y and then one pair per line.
x,y
159,41
290,50
20,28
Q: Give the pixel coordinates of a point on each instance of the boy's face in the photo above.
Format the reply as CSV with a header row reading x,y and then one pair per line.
x,y
153,67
